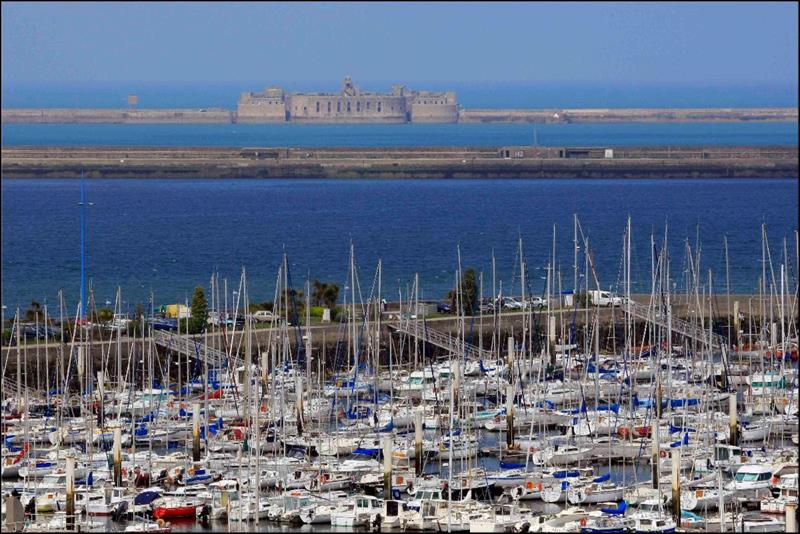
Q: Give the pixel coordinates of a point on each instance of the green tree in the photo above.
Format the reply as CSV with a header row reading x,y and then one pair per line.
x,y
469,293
199,311
30,313
105,315
324,294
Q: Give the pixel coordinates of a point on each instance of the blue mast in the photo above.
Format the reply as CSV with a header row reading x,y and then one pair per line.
x,y
83,249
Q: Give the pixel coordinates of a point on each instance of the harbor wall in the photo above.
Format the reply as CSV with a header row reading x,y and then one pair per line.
x,y
117,116
302,108
621,115
408,162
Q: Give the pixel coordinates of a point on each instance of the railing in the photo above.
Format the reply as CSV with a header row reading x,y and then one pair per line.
x,y
194,348
442,340
679,326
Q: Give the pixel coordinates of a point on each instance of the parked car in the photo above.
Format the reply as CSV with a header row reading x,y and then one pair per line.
x,y
512,304
265,316
214,319
163,323
537,302
119,322
38,331
443,307
486,306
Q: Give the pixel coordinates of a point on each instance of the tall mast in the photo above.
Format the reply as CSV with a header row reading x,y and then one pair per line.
x,y
574,260
83,248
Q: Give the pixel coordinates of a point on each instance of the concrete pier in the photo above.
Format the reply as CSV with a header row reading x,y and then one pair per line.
x,y
411,162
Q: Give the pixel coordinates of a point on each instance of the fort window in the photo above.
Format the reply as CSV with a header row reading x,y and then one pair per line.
x,y
348,107
379,107
317,107
367,106
329,107
338,107
358,107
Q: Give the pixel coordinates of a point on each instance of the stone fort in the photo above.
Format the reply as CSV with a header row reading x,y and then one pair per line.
x,y
350,105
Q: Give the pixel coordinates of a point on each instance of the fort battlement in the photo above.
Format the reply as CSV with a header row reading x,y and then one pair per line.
x,y
351,104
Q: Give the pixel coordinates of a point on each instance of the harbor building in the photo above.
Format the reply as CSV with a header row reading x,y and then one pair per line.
x,y
350,105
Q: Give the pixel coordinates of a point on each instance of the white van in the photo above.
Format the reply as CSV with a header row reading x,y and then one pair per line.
x,y
604,298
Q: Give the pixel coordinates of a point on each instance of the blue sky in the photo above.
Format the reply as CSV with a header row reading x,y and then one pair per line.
x,y
682,43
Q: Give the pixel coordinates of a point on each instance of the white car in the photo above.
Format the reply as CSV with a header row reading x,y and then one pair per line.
x,y
512,304
120,322
537,302
264,316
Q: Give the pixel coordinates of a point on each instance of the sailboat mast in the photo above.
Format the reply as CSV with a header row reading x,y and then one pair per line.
x,y
83,248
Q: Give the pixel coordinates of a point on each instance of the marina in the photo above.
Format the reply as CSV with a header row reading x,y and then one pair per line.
x,y
671,411
404,267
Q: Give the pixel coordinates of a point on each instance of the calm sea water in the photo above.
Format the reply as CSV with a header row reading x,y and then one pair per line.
x,y
313,135
166,236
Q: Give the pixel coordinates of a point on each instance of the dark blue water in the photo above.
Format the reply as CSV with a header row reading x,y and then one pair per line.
x,y
470,95
166,236
312,135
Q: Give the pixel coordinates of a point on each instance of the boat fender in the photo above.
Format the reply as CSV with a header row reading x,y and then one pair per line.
x,y
663,454
529,485
583,521
161,522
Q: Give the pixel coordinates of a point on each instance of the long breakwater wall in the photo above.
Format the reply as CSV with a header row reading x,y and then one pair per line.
x,y
563,116
407,162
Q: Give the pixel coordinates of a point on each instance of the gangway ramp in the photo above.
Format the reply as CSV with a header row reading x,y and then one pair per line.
x,y
194,348
442,340
678,325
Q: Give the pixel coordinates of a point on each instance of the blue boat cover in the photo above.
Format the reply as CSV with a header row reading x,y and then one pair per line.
x,y
197,478
366,452
510,465
675,403
388,428
620,510
602,478
146,497
565,474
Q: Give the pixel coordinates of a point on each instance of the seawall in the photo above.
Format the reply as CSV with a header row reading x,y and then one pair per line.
x,y
498,162
628,115
117,116
224,116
